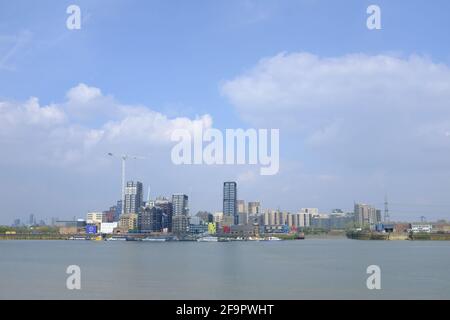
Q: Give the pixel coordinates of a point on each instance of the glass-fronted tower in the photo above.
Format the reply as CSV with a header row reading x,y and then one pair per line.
x,y
230,200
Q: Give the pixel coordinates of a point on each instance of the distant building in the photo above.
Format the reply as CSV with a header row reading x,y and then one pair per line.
x,y
341,220
227,221
312,211
180,212
128,222
242,212
151,220
17,223
241,206
243,218
95,218
230,201
197,226
118,210
299,220
195,220
180,224
53,222
133,197
32,220
108,227
109,215
275,218
254,208
276,229
366,215
167,208
205,216
71,226
212,228
180,205
218,217
321,221
244,230
421,228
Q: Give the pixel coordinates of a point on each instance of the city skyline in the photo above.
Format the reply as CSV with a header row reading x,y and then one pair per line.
x,y
234,207
131,75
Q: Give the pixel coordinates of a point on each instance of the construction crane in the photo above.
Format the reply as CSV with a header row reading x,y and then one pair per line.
x,y
124,159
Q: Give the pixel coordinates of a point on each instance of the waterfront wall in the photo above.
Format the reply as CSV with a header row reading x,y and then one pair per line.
x,y
369,235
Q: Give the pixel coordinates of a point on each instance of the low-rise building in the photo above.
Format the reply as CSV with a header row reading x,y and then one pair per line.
x,y
108,227
421,228
128,221
95,217
212,229
248,230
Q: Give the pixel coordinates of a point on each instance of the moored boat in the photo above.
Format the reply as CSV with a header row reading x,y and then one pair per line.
x,y
208,239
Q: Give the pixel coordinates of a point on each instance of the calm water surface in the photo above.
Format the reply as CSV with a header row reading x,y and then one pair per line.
x,y
309,269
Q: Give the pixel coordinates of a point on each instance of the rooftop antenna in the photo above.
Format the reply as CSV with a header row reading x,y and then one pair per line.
x,y
386,209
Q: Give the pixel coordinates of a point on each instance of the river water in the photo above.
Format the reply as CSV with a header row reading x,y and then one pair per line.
x,y
308,269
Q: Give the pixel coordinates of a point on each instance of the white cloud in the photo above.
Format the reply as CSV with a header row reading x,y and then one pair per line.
x,y
58,134
15,115
358,109
83,93
302,81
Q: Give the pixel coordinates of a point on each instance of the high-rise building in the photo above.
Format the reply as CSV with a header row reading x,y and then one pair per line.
x,y
299,220
32,220
166,206
133,197
230,200
242,212
118,210
275,218
180,213
180,224
366,215
180,205
241,206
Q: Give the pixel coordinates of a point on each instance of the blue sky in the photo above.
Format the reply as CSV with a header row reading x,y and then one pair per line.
x,y
177,57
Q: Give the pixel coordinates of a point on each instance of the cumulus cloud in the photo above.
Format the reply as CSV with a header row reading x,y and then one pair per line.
x,y
15,115
363,109
59,133
302,81
83,93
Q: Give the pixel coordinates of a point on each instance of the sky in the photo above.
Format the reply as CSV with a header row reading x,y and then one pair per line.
x,y
362,113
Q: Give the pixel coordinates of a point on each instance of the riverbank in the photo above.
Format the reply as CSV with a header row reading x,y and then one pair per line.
x,y
33,237
371,235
